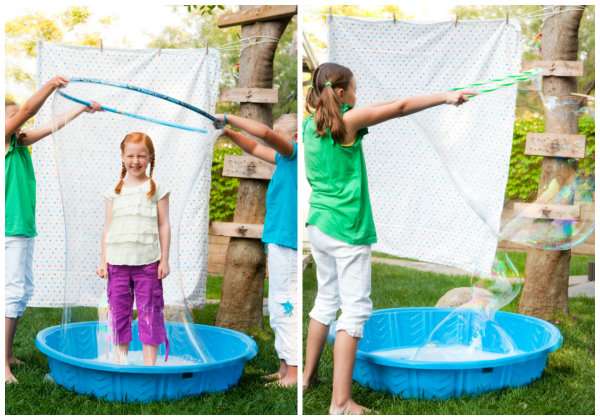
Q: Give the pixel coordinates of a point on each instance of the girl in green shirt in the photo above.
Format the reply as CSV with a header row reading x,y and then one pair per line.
x,y
19,205
340,221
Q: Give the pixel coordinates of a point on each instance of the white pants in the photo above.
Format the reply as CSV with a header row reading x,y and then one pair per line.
x,y
344,281
283,292
18,286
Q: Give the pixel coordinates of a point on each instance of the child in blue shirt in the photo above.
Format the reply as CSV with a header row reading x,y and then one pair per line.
x,y
279,231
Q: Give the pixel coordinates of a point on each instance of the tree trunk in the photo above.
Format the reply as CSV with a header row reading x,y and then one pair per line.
x,y
243,281
545,293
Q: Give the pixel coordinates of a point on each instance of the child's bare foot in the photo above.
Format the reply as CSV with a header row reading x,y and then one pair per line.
x,y
280,374
310,382
350,407
14,361
288,381
272,377
9,378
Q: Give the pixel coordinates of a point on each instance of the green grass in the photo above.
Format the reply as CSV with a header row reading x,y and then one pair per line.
x,y
579,263
34,396
566,387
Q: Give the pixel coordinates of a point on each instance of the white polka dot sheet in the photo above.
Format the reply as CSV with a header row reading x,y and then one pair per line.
x,y
422,195
82,161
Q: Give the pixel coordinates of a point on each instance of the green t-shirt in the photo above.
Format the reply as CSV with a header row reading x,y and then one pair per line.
x,y
19,191
339,204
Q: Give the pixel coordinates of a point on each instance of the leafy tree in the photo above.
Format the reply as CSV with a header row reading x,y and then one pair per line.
x,y
199,29
23,32
531,19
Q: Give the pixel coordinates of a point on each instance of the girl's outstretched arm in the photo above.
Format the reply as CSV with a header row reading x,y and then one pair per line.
x,y
29,137
33,105
250,146
260,130
101,270
164,236
358,118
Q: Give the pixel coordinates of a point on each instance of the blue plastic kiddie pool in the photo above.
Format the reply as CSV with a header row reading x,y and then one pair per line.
x,y
72,350
402,328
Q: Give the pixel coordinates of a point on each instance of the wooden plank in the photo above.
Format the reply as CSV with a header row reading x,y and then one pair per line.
x,y
587,211
218,240
253,95
236,230
557,68
256,14
581,249
555,145
246,166
547,211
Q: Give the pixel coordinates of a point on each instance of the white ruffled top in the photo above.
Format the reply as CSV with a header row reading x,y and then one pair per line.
x,y
133,232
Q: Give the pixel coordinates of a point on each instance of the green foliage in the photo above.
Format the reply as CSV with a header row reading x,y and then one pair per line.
x,y
587,127
285,69
524,171
199,29
223,191
204,9
23,32
531,21
75,16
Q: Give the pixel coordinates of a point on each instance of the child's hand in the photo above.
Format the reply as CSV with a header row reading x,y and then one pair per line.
x,y
101,270
219,122
459,97
163,269
58,82
94,106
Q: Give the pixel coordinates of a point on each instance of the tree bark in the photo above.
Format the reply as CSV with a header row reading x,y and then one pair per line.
x,y
545,293
241,305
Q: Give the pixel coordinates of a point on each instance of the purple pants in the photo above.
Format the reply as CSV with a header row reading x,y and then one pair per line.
x,y
125,281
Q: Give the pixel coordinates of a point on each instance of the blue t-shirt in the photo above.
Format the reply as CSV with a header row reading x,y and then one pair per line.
x,y
280,226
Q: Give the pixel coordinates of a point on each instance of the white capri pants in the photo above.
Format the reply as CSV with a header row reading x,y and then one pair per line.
x,y
283,292
18,283
344,281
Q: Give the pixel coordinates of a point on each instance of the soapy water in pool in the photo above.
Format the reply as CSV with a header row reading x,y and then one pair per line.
x,y
136,358
433,353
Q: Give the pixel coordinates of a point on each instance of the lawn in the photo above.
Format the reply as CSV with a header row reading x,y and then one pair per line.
x,y
566,387
35,396
579,263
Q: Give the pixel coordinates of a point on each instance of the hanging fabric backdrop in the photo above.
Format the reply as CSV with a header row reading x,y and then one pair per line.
x,y
82,161
419,211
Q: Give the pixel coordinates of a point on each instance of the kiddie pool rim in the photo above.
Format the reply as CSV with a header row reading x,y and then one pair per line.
x,y
40,342
554,343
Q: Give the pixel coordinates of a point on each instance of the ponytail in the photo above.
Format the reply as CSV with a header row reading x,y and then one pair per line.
x,y
325,103
121,179
152,191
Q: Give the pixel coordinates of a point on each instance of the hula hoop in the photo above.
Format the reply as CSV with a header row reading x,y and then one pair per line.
x,y
148,92
500,82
